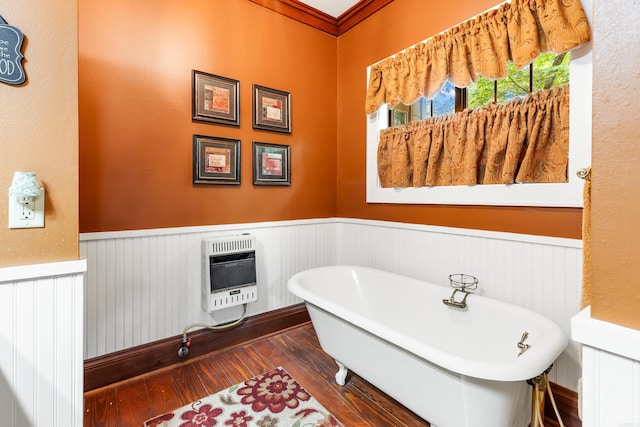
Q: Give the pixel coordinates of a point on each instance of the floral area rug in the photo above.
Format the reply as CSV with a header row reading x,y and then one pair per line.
x,y
272,399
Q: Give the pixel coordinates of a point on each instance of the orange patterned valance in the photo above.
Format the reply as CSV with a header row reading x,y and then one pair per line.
x,y
518,31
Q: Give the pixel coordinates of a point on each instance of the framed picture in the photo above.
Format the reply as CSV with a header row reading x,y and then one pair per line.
x,y
216,160
271,109
271,164
216,99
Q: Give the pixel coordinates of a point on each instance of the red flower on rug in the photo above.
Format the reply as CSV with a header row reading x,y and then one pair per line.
x,y
203,417
239,419
275,390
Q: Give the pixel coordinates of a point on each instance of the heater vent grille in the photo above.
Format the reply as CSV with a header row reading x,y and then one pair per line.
x,y
228,245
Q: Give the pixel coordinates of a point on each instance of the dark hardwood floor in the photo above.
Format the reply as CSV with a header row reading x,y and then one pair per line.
x,y
358,403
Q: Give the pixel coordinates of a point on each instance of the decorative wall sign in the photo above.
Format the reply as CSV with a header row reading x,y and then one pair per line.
x,y
11,38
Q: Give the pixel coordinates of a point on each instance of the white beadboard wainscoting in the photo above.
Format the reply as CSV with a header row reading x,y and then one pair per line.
x,y
41,363
144,285
610,372
540,273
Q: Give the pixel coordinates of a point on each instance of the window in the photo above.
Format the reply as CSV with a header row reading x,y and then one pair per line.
x,y
569,194
547,71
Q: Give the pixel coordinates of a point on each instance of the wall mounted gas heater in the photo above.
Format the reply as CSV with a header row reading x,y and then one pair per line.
x,y
228,272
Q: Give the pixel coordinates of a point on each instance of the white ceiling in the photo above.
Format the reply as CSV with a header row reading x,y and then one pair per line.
x,y
334,8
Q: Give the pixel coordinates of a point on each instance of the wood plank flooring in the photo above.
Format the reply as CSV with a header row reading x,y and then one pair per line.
x,y
358,403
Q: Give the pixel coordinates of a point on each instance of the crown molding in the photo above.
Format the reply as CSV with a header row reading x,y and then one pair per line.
x,y
305,14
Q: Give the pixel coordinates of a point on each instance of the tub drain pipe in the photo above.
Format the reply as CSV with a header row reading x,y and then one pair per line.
x,y
183,351
539,385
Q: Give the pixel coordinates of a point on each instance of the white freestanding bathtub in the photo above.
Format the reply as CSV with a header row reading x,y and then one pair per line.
x,y
454,368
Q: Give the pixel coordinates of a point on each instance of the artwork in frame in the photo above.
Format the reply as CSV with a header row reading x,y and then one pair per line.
x,y
271,109
216,160
216,99
271,164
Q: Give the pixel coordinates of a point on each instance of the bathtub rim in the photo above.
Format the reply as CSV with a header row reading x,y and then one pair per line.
x,y
516,370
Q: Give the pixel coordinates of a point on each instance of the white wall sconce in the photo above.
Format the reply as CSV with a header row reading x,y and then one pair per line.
x,y
26,201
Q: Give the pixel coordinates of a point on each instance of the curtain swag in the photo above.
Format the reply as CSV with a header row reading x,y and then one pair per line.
x,y
518,31
525,140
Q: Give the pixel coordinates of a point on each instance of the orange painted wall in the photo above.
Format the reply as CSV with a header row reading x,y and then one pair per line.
x,y
39,131
615,195
135,62
395,27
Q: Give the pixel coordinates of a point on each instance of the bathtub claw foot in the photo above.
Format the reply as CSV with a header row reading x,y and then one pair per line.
x,y
341,375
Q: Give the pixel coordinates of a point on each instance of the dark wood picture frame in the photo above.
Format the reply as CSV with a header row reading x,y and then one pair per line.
x,y
271,164
215,99
216,160
271,109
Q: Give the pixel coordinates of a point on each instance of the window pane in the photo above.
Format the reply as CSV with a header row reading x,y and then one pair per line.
x,y
480,93
443,104
403,114
445,101
551,70
400,115
420,110
516,84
